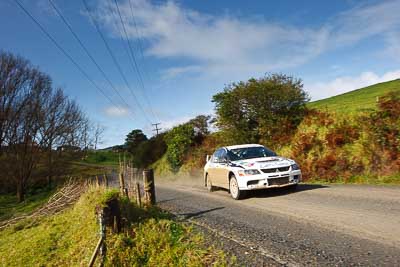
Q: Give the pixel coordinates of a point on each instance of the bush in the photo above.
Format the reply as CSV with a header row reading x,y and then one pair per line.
x,y
178,141
332,147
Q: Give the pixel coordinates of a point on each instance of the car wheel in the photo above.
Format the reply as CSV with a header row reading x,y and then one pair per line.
x,y
210,187
293,188
236,193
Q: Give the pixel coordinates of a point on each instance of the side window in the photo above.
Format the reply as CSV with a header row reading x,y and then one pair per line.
x,y
223,154
217,156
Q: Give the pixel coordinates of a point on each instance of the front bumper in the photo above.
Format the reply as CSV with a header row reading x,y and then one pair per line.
x,y
273,180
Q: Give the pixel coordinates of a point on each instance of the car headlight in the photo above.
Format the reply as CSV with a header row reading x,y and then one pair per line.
x,y
295,167
248,172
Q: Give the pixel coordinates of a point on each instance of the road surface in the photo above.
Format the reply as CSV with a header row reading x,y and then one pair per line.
x,y
316,225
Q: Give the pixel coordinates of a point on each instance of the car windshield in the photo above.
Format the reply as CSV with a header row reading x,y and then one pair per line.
x,y
249,153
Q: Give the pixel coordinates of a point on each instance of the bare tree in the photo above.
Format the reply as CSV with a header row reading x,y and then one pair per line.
x,y
98,135
34,119
15,80
24,136
56,125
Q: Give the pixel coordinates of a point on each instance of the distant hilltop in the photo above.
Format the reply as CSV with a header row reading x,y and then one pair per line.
x,y
358,100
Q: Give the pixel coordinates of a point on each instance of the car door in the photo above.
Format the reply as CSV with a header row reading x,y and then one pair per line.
x,y
212,168
222,169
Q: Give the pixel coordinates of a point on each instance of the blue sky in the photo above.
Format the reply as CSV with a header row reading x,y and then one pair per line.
x,y
192,48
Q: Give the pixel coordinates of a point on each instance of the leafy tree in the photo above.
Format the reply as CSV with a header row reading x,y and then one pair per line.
x,y
149,151
261,110
134,139
201,124
179,140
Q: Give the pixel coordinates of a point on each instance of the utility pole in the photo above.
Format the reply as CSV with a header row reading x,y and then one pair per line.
x,y
156,127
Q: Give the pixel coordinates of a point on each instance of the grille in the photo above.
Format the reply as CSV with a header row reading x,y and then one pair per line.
x,y
278,181
281,169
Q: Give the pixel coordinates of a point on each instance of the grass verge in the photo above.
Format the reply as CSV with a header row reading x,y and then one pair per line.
x,y
150,238
64,239
9,206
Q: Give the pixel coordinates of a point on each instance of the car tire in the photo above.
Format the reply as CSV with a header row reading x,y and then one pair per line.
x,y
209,185
234,190
293,188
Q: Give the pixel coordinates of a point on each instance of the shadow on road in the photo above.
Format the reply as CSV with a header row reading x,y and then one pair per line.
x,y
274,192
171,199
186,216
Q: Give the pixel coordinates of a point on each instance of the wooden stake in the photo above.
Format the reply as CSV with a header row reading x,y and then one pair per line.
x,y
97,181
115,224
149,187
121,184
105,180
138,197
126,193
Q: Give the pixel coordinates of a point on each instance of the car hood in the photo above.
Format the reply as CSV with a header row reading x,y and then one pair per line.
x,y
264,163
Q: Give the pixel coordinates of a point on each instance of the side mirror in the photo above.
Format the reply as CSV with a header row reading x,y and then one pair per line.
x,y
207,158
223,160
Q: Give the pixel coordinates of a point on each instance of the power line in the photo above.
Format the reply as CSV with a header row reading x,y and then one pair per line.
x,y
121,34
136,67
65,52
156,129
114,59
137,31
88,53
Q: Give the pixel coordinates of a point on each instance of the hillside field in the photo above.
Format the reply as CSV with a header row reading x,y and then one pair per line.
x,y
357,100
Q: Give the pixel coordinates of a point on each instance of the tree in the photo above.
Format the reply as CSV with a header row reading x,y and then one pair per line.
x,y
33,118
15,80
98,134
200,124
178,141
133,139
149,151
52,120
59,122
261,110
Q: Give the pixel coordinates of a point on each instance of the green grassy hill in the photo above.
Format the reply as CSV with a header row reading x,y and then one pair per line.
x,y
357,100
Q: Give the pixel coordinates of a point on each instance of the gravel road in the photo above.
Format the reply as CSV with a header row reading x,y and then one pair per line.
x,y
337,225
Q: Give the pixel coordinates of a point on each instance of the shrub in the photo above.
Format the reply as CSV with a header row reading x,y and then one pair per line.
x,y
179,140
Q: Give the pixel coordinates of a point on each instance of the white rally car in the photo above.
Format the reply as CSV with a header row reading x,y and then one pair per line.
x,y
247,167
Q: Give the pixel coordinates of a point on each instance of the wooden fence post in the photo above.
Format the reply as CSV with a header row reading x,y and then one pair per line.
x,y
121,184
101,245
138,197
103,248
149,187
126,191
105,180
97,181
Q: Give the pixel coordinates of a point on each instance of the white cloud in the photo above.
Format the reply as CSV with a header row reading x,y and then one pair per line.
x,y
216,43
366,21
115,111
176,71
226,44
340,85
